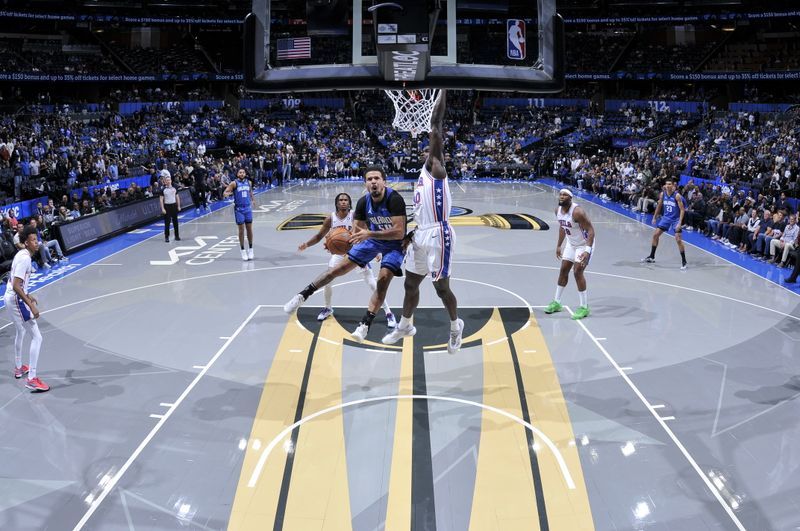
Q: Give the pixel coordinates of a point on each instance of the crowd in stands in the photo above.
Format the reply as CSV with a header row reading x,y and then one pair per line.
x,y
595,52
758,54
653,57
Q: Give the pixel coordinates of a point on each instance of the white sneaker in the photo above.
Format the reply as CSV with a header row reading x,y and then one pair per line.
x,y
455,338
390,320
244,255
684,267
360,333
397,334
294,303
250,255
324,314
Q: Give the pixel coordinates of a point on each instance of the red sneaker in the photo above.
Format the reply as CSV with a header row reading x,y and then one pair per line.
x,y
22,371
37,385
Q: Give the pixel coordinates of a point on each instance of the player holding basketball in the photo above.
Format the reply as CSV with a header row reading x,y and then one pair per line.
x,y
380,225
430,249
23,310
574,225
243,200
343,217
671,202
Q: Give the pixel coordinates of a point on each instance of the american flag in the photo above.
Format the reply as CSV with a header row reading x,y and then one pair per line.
x,y
294,48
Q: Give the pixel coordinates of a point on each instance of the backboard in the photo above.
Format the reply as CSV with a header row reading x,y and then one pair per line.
x,y
502,45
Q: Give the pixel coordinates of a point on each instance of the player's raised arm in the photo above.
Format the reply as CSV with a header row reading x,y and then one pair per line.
x,y
435,162
315,239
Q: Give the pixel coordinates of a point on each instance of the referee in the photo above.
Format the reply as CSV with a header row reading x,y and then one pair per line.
x,y
170,206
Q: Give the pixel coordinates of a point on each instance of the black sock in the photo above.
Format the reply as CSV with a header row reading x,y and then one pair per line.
x,y
308,291
683,257
250,244
242,246
368,318
652,251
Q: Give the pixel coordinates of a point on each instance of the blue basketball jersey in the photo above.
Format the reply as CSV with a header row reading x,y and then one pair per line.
x,y
671,212
379,218
241,196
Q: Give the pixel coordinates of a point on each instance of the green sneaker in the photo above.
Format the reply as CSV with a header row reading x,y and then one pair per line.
x,y
553,307
580,313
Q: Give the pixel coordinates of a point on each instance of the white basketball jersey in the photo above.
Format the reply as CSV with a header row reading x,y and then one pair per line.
x,y
576,235
346,222
432,200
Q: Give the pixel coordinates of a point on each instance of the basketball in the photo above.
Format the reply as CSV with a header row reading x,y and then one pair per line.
x,y
338,240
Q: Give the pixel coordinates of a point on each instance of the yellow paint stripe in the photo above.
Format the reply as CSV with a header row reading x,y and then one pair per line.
x,y
254,508
531,220
318,491
566,509
504,497
398,512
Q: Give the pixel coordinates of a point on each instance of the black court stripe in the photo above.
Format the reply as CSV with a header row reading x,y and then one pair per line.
x,y
423,507
506,316
280,512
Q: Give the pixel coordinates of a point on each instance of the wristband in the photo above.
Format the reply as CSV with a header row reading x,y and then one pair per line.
x,y
587,249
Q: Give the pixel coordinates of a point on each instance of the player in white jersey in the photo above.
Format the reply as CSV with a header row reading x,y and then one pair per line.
x,y
575,227
343,217
23,310
430,245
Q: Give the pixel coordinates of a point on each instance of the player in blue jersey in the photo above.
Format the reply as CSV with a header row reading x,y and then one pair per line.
x,y
242,190
670,202
379,223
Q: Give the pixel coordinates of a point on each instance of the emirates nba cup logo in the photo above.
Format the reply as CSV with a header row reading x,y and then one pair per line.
x,y
516,39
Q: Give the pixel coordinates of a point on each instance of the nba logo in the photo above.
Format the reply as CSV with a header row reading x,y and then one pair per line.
x,y
516,39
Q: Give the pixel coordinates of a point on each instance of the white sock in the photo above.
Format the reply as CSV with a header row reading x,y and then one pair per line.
x,y
36,345
559,291
405,323
584,297
454,326
327,292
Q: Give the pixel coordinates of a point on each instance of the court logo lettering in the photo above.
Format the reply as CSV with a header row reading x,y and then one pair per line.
x,y
207,256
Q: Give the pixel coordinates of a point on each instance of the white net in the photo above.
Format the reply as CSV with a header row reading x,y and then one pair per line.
x,y
413,109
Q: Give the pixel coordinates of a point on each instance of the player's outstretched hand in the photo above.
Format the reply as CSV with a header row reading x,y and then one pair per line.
x,y
303,246
654,221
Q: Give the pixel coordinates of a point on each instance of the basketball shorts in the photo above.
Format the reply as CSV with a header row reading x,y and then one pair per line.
x,y
666,224
574,254
18,311
365,252
243,215
431,251
337,259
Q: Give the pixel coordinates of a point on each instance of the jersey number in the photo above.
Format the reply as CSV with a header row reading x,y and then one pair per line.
x,y
244,194
567,232
668,208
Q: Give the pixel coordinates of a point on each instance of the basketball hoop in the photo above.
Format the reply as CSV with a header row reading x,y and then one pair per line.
x,y
413,109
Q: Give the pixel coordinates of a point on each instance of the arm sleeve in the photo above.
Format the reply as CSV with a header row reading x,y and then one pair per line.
x,y
396,205
360,213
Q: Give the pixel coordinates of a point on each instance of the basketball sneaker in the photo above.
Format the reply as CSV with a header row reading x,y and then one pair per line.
x,y
324,314
580,313
294,303
553,307
360,333
648,260
22,371
244,255
397,334
250,254
684,267
36,385
390,320
455,337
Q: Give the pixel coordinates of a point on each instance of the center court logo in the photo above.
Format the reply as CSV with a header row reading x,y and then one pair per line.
x,y
200,252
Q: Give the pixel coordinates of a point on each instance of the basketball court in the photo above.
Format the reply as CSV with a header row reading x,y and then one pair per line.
x,y
183,397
